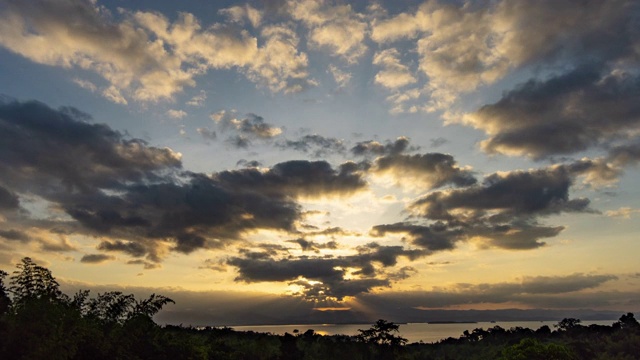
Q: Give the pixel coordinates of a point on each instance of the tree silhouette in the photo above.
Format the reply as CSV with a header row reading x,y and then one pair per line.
x,y
567,324
382,333
5,301
32,281
627,322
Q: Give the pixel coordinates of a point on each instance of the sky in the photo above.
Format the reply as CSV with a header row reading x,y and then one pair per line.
x,y
278,160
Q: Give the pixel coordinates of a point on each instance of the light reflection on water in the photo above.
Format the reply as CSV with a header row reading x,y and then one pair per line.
x,y
413,332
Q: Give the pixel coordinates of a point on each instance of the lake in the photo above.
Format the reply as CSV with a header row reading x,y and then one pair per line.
x,y
413,332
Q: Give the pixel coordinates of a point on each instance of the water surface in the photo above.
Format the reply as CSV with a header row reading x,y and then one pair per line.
x,y
413,332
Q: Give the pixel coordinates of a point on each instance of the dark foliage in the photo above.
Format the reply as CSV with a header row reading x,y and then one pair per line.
x,y
38,321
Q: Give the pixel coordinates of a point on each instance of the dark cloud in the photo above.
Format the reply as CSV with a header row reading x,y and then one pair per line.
x,y
316,145
504,210
385,255
14,235
375,148
517,193
188,243
404,272
254,125
322,278
563,284
296,178
254,270
563,115
264,251
239,141
430,170
540,291
311,231
433,170
209,208
248,128
248,163
434,237
95,258
309,245
568,33
337,290
624,155
132,248
70,154
103,220
136,195
8,200
586,94
566,114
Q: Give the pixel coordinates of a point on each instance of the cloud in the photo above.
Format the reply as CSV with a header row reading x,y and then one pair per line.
x,y
502,211
407,100
248,163
516,193
146,264
59,243
538,291
85,84
135,196
142,55
434,237
279,65
240,13
95,258
342,78
462,46
565,114
202,308
176,114
198,100
623,212
69,153
394,74
250,127
336,28
15,235
628,154
309,245
296,178
375,148
114,95
333,232
326,278
238,141
127,58
8,200
437,142
432,170
207,134
134,249
215,265
315,144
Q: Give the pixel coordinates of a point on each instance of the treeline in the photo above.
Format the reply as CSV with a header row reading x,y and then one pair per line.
x,y
38,321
